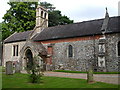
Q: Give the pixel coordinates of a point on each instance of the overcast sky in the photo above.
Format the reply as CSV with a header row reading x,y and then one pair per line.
x,y
77,10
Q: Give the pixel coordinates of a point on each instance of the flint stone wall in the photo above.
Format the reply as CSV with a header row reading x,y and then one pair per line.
x,y
112,58
84,52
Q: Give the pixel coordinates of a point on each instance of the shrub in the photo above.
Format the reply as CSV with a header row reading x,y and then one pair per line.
x,y
35,71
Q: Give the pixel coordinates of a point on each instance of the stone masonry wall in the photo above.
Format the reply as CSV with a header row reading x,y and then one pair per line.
x,y
112,59
8,51
84,52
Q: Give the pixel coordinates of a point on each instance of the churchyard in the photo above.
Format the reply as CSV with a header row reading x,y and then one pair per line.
x,y
19,80
33,48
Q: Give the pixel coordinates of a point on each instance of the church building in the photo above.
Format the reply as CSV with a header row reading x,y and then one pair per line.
x,y
73,47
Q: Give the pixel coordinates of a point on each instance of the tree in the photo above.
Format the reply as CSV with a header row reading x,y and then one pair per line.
x,y
55,17
0,44
0,32
21,17
48,6
5,31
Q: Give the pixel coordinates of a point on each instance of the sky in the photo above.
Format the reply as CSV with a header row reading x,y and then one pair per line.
x,y
77,10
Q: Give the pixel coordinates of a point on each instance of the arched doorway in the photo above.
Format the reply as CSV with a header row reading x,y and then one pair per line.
x,y
29,58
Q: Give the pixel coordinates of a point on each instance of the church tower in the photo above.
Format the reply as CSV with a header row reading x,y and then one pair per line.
x,y
41,18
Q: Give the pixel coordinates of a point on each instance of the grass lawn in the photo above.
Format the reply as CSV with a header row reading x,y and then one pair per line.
x,y
0,68
21,81
67,71
0,77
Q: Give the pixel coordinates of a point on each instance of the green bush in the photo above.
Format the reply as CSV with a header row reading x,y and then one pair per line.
x,y
35,71
34,78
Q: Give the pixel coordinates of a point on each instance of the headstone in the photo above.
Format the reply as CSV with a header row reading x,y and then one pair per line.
x,y
17,67
44,66
47,67
9,68
90,76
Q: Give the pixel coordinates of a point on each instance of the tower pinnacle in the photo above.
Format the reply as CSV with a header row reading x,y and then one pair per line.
x,y
105,22
39,2
107,15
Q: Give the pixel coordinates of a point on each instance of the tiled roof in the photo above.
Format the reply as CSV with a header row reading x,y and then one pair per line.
x,y
22,36
85,28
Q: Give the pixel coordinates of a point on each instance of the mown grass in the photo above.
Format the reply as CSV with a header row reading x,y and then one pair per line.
x,y
2,69
67,71
21,81
0,77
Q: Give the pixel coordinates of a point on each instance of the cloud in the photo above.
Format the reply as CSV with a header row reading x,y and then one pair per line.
x,y
77,10
81,10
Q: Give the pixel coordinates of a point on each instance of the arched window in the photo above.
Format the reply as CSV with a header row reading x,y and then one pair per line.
x,y
118,48
70,51
45,15
15,50
41,13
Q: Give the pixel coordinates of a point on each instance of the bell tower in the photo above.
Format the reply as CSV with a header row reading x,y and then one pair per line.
x,y
41,18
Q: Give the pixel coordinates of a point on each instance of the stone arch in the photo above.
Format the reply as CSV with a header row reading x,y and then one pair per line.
x,y
36,49
29,58
25,55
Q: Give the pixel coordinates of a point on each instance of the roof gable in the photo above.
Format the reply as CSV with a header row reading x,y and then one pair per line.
x,y
21,36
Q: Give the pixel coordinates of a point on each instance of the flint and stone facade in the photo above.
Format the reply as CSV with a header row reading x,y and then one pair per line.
x,y
75,47
85,51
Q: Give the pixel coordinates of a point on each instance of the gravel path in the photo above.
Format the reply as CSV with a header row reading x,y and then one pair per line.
x,y
107,78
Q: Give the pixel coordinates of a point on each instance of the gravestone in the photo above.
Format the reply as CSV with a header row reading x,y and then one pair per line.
x,y
90,76
9,68
17,67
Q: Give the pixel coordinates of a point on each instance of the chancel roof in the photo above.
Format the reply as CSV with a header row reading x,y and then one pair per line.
x,y
16,37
